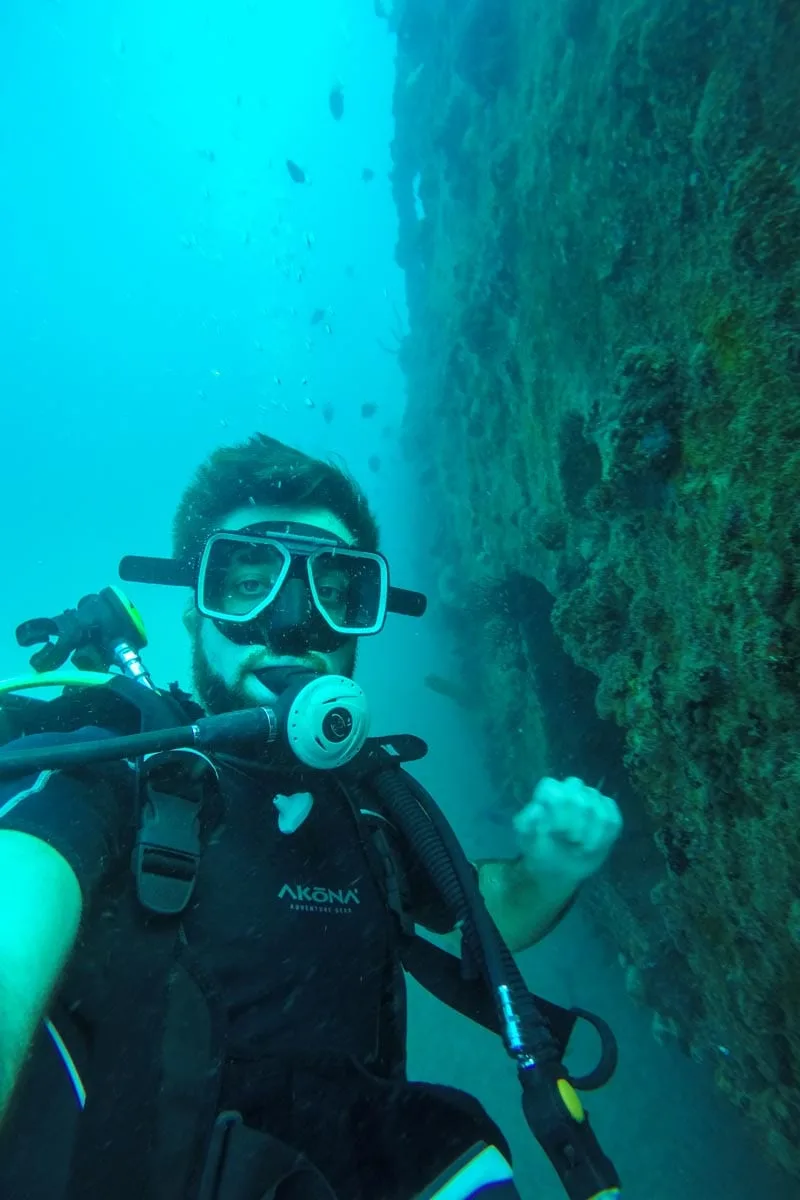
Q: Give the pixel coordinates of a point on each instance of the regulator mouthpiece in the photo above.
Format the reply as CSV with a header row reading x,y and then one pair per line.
x,y
282,679
325,722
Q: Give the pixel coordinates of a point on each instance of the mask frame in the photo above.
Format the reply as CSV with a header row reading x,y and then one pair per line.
x,y
292,545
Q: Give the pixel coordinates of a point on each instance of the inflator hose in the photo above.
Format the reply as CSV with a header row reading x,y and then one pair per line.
x,y
208,732
551,1108
428,831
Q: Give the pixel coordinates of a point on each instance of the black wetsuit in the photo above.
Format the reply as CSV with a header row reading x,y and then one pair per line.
x,y
294,935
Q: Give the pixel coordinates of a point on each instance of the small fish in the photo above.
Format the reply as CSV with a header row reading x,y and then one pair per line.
x,y
327,328
367,175
296,173
310,240
276,380
328,413
310,403
368,409
317,315
336,102
374,463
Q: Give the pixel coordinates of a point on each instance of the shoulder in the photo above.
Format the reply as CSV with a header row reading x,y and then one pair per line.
x,y
84,813
113,770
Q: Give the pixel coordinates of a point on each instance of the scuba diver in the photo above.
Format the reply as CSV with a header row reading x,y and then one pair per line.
x,y
208,909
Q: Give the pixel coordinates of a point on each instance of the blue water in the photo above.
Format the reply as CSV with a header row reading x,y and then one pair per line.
x,y
158,274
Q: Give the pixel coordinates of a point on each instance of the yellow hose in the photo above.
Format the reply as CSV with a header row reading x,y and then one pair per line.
x,y
22,683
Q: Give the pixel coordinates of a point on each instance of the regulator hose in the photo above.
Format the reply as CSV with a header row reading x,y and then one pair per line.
x,y
427,829
552,1108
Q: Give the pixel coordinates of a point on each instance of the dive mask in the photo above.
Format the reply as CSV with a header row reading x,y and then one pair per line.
x,y
283,576
289,575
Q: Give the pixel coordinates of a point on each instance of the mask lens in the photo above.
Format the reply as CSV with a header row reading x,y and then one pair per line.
x,y
349,589
239,578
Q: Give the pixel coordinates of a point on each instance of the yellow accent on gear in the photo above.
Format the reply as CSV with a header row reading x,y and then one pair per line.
x,y
571,1101
133,613
21,683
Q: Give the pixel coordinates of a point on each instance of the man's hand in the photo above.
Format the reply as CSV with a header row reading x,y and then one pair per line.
x,y
565,834
566,830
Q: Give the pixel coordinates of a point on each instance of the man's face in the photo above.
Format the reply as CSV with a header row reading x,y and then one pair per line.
x,y
222,669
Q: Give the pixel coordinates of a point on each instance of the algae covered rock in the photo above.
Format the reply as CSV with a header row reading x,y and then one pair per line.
x,y
599,207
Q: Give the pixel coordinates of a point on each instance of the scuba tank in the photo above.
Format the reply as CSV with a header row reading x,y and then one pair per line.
x,y
317,722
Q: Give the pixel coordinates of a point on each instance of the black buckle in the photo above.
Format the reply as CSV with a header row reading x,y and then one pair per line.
x,y
174,788
167,853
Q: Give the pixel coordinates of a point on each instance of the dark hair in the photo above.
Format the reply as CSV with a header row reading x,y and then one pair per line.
x,y
263,470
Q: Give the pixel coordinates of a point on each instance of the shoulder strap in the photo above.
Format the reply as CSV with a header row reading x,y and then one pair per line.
x,y
126,1059
154,1004
162,1032
179,802
387,870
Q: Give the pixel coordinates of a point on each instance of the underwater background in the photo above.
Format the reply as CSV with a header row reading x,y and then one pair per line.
x,y
531,269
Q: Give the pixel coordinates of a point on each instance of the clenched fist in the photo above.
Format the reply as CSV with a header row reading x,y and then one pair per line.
x,y
567,829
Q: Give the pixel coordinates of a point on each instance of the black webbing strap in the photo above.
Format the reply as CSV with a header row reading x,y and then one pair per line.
x,y
440,973
114,1152
246,1164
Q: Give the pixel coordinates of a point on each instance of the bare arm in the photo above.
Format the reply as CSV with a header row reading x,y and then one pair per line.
x,y
523,906
40,911
565,833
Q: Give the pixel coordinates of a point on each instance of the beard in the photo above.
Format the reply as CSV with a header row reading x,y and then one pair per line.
x,y
218,694
213,692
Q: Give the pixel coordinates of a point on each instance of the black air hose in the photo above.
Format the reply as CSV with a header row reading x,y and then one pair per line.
x,y
426,828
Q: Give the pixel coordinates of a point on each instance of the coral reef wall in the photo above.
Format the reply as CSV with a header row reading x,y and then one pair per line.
x,y
599,208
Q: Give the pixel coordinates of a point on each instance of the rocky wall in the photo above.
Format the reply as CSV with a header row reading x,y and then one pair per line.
x,y
599,207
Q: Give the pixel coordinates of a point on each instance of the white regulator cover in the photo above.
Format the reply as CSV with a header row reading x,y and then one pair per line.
x,y
328,722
